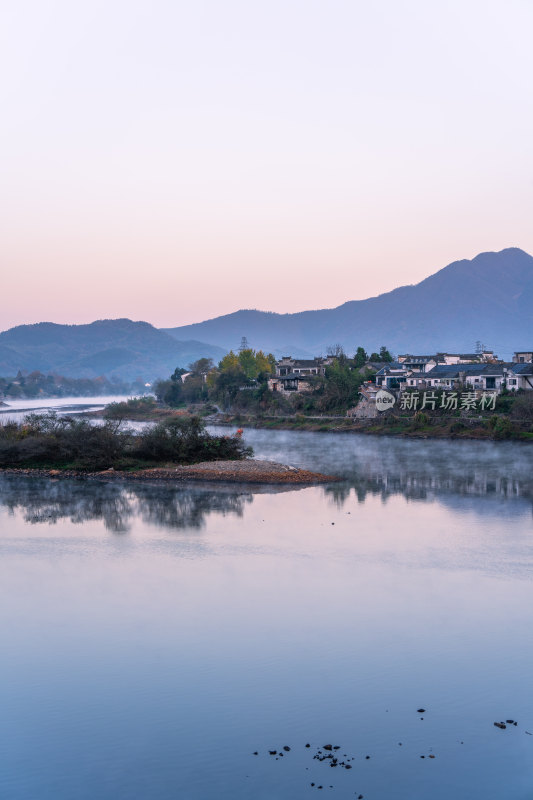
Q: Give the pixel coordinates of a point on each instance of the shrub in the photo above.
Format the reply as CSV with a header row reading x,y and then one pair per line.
x,y
131,407
523,407
184,439
420,420
503,428
457,427
49,440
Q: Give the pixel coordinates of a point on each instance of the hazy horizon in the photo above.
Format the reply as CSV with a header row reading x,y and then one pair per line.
x,y
175,162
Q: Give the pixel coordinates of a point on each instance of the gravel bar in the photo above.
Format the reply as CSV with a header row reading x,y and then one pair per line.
x,y
248,471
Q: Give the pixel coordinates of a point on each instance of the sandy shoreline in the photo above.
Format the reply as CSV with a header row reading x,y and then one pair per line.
x,y
246,471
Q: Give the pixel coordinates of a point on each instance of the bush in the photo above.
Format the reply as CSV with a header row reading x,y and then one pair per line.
x,y
502,428
132,407
49,439
457,427
184,439
523,407
52,441
420,420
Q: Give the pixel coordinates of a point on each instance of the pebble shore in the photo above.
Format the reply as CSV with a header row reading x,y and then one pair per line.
x,y
246,471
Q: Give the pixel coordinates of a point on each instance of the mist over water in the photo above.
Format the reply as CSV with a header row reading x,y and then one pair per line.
x,y
156,636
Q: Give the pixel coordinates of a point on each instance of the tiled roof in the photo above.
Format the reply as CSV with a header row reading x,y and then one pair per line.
x,y
303,362
395,365
294,376
454,370
522,369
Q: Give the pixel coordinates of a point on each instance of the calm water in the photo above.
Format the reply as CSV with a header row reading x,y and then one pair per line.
x,y
16,410
154,638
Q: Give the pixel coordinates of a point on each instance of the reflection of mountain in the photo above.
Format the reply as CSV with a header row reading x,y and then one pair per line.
x,y
44,500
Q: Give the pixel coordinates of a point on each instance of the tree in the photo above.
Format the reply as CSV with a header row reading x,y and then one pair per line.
x,y
266,364
229,363
202,366
383,355
335,350
177,374
341,386
248,363
169,392
194,388
360,358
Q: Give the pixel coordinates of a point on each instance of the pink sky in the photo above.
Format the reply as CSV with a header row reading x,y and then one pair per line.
x,y
176,161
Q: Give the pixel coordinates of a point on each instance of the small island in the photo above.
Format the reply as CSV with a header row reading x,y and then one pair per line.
x,y
175,449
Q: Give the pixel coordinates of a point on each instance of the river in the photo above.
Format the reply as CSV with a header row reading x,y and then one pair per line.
x,y
155,638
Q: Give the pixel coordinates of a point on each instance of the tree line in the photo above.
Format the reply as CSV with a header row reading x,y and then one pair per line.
x,y
240,382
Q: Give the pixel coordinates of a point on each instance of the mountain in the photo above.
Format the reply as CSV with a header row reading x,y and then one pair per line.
x,y
487,299
107,347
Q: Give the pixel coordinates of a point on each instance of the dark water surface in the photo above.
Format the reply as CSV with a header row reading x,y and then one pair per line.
x,y
153,637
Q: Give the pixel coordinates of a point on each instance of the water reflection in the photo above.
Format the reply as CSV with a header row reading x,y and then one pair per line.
x,y
42,500
416,469
419,485
368,466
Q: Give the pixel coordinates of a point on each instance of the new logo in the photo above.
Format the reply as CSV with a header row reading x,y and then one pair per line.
x,y
384,400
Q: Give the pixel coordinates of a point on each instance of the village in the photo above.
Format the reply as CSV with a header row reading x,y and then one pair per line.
x,y
479,375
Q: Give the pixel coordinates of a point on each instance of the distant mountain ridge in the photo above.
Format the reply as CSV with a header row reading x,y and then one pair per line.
x,y
487,299
118,347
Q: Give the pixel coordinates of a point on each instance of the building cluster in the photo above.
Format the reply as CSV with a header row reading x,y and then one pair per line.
x,y
475,372
483,372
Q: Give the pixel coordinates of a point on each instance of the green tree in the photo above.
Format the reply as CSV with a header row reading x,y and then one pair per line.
x,y
341,387
360,358
248,363
177,374
169,392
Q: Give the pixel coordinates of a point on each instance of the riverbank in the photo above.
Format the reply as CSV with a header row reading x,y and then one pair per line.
x,y
498,427
422,425
246,471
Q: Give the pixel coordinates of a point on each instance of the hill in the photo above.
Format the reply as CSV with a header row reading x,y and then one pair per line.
x,y
489,298
109,347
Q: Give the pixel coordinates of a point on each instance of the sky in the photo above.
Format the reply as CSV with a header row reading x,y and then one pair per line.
x,y
173,161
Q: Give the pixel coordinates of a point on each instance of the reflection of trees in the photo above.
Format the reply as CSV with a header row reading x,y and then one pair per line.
x,y
338,493
45,500
187,507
